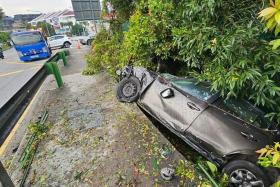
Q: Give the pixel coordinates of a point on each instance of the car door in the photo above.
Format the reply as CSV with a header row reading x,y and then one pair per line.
x,y
170,106
51,41
221,132
59,41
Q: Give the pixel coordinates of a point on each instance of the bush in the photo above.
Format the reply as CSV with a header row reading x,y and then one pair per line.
x,y
105,54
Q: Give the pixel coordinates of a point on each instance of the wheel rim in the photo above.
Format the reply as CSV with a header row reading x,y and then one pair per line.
x,y
129,89
67,45
244,178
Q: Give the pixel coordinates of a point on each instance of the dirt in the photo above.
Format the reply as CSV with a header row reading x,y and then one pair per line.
x,y
96,141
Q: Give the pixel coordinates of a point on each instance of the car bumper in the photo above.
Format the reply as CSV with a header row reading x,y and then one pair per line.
x,y
35,57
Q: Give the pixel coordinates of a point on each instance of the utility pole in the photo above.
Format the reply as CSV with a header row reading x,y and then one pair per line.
x,y
5,179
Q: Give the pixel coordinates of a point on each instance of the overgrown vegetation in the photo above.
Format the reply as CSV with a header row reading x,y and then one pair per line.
x,y
270,156
219,41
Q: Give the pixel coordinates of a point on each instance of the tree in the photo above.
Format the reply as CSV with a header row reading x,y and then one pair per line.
x,y
77,29
47,28
69,24
124,8
1,13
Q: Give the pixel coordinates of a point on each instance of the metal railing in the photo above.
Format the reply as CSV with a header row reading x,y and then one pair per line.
x,y
13,109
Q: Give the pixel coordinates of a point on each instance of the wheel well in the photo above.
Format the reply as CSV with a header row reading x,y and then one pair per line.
x,y
249,158
67,42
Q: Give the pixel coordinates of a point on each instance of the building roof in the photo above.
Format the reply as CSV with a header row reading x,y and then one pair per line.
x,y
51,15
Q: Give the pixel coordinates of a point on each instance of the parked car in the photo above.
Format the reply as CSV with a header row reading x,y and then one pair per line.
x,y
227,132
59,41
86,40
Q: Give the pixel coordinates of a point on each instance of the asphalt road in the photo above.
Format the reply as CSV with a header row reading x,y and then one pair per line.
x,y
14,74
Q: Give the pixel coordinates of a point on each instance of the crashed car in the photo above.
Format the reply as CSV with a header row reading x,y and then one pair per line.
x,y
228,132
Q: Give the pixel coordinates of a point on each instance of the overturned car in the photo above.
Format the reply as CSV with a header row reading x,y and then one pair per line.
x,y
227,132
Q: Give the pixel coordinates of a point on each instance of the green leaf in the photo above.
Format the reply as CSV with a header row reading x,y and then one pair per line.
x,y
268,12
275,43
277,4
277,17
155,164
271,23
277,30
275,158
277,184
213,168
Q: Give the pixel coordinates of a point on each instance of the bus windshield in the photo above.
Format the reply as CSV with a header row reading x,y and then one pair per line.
x,y
26,38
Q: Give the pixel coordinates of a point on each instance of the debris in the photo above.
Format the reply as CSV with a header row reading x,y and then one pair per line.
x,y
167,173
165,151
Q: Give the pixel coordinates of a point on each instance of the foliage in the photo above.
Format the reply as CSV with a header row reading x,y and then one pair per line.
x,y
77,29
220,42
1,13
212,173
148,38
4,40
104,54
69,24
47,29
124,8
271,17
4,37
183,172
270,156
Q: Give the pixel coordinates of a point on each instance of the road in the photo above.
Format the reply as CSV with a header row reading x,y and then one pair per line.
x,y
14,74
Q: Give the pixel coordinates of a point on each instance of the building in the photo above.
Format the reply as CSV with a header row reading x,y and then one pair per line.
x,y
88,13
87,9
56,19
7,23
20,20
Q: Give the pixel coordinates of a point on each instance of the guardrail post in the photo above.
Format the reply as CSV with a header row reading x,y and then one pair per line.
x,y
52,68
62,56
5,179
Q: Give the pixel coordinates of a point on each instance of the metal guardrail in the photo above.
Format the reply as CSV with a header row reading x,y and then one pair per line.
x,y
13,109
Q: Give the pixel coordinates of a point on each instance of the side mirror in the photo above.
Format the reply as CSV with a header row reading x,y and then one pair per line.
x,y
118,72
168,93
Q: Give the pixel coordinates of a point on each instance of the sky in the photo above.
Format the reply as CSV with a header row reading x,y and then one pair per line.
x,y
12,7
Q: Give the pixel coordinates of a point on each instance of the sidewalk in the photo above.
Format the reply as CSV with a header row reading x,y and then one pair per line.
x,y
94,140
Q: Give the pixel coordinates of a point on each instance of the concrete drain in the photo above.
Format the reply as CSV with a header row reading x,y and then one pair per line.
x,y
85,118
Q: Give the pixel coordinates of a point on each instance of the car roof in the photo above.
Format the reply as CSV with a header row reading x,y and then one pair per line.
x,y
24,32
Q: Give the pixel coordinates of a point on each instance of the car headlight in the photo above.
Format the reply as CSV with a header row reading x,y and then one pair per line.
x,y
20,54
45,49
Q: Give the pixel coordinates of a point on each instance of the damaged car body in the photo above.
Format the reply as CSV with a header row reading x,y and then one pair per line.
x,y
227,132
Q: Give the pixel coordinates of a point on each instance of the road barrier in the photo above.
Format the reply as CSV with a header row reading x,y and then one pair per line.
x,y
13,109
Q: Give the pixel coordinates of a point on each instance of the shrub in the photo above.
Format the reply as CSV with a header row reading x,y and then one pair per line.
x,y
104,54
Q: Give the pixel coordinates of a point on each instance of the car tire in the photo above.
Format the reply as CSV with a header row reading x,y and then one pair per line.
x,y
67,45
242,173
128,89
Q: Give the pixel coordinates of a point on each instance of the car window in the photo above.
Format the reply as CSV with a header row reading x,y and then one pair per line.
x,y
51,38
247,112
190,86
59,37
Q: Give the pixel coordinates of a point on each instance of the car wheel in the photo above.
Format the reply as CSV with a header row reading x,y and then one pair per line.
x,y
128,90
66,45
244,173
